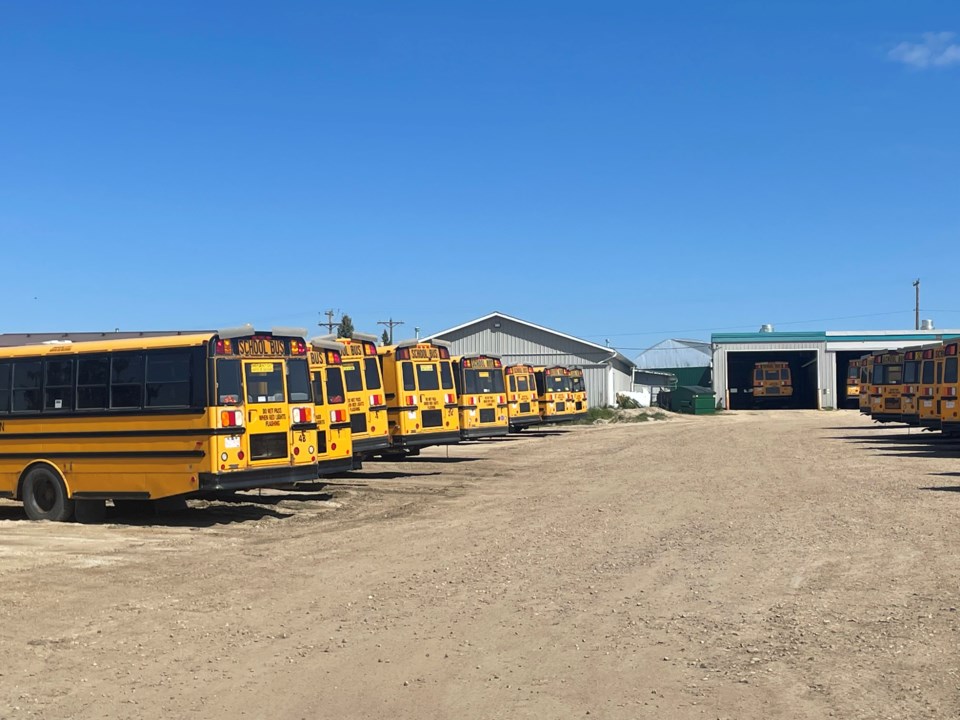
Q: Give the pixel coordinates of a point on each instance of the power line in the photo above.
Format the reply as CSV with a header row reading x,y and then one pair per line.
x,y
391,323
329,323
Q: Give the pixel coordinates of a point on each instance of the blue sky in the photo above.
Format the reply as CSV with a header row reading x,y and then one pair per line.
x,y
621,170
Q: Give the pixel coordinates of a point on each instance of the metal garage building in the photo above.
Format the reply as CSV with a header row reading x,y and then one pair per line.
x,y
818,360
606,371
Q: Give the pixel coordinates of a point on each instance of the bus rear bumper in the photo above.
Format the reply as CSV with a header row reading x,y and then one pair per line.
x,y
886,417
932,423
517,423
403,442
910,419
257,477
477,433
335,466
365,446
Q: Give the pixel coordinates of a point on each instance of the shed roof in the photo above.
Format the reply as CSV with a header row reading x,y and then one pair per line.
x,y
495,315
675,353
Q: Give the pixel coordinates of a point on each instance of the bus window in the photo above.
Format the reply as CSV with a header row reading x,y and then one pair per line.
x,y
427,377
910,372
334,386
758,375
446,376
298,381
784,374
772,375
878,374
318,394
950,371
169,379
482,381
126,382
408,382
93,382
264,382
513,383
523,383
228,382
371,373
58,388
926,372
894,374
352,377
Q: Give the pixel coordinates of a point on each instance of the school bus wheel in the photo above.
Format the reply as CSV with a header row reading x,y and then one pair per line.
x,y
45,495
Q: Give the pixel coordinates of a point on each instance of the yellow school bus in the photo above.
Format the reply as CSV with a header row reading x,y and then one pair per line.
x,y
365,395
421,398
141,419
866,380
334,441
886,391
853,383
482,396
523,410
579,389
949,400
554,394
910,386
931,378
772,380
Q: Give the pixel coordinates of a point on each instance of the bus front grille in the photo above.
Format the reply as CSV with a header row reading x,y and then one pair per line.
x,y
488,416
432,418
268,446
524,407
358,422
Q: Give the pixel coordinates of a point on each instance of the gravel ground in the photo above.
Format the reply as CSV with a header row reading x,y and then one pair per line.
x,y
747,565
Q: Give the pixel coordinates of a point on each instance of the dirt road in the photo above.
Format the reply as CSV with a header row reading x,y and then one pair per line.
x,y
787,564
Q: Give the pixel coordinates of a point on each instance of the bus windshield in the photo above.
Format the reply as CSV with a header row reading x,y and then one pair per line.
x,y
351,375
264,382
482,381
558,383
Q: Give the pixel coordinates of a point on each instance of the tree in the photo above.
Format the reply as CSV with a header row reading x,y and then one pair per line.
x,y
385,338
345,328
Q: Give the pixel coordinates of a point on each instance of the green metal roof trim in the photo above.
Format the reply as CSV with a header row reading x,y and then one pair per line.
x,y
922,337
768,337
822,336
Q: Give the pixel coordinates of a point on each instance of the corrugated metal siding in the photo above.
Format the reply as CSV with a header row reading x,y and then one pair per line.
x,y
517,343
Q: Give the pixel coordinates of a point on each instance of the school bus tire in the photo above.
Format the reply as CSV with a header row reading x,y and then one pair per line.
x,y
44,495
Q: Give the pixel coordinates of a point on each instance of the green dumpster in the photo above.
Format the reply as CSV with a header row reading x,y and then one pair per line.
x,y
693,400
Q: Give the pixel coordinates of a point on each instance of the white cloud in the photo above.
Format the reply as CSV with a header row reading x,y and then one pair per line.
x,y
936,50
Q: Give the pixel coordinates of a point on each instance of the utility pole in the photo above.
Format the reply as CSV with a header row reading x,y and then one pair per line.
x,y
330,322
916,309
391,323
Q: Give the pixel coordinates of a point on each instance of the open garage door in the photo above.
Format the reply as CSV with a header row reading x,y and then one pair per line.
x,y
845,400
804,372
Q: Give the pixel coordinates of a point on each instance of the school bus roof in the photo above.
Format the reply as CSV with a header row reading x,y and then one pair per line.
x,y
66,347
414,342
321,343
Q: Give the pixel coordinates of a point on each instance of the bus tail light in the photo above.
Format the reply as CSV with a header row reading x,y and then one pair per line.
x,y
448,399
409,400
302,415
376,400
231,418
950,392
473,400
338,416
